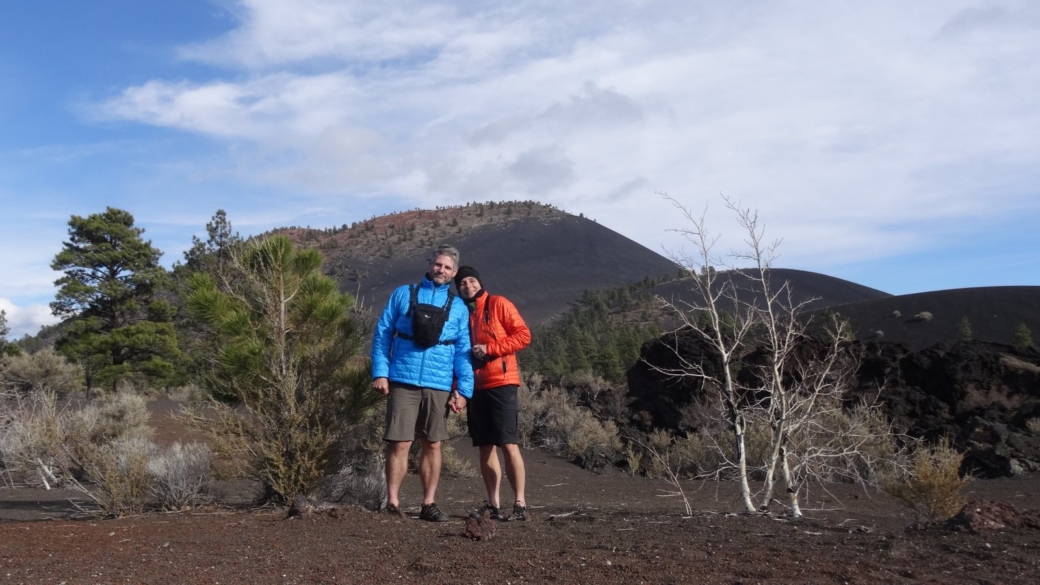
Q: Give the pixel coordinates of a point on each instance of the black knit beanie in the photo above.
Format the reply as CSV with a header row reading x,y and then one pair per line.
x,y
465,271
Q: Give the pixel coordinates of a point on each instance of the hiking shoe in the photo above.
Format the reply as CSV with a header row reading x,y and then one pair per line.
x,y
520,512
393,511
431,513
493,513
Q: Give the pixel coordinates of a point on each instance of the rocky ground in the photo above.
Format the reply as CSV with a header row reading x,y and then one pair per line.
x,y
586,528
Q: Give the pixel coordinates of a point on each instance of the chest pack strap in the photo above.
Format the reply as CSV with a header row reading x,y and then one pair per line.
x,y
413,301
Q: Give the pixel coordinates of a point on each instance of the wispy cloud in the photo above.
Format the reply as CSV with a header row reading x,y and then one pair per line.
x,y
884,129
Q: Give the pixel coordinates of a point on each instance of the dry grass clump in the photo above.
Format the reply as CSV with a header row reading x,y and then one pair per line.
x,y
45,369
923,316
933,489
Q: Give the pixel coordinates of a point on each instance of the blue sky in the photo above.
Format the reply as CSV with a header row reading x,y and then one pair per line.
x,y
894,144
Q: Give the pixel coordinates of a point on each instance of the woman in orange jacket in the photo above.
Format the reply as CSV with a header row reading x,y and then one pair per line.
x,y
497,332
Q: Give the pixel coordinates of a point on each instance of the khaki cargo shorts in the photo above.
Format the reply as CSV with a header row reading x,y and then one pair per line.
x,y
411,411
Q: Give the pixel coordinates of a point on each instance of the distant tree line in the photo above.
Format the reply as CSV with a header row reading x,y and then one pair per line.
x,y
602,333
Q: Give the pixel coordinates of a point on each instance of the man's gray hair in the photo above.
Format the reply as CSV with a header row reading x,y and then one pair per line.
x,y
445,250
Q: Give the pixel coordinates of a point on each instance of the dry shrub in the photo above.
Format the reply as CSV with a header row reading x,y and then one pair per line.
x,y
360,480
854,444
1033,425
112,417
100,450
190,393
933,490
454,466
119,474
608,400
32,439
633,458
181,476
551,419
660,443
45,369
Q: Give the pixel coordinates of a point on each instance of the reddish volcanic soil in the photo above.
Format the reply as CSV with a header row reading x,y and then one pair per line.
x,y
586,528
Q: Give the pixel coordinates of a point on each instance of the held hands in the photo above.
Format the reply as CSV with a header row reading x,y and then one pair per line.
x,y
457,402
480,351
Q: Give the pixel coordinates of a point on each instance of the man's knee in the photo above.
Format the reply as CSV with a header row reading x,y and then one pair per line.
x,y
397,447
431,446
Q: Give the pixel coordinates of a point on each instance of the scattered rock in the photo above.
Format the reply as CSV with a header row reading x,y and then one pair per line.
x,y
303,506
481,527
983,515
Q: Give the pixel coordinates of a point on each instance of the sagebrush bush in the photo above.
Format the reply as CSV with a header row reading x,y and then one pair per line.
x,y
923,316
181,476
45,369
119,474
100,450
933,491
551,419
121,415
32,439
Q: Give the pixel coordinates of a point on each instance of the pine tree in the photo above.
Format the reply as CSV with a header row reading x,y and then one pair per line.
x,y
964,329
1022,336
6,348
118,326
287,354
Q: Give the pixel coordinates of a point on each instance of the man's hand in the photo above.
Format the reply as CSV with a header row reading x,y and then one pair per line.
x,y
381,385
480,351
457,402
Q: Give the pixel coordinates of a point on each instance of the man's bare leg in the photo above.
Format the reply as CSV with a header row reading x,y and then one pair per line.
x,y
396,469
430,469
491,472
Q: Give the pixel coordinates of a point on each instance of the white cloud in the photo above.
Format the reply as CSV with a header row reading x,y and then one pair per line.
x,y
25,319
860,124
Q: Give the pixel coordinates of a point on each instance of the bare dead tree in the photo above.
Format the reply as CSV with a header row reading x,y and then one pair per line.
x,y
797,387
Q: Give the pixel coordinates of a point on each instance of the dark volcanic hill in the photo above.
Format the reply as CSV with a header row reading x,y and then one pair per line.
x,y
540,257
992,313
822,290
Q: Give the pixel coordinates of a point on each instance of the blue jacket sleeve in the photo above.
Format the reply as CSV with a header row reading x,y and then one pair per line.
x,y
463,360
383,337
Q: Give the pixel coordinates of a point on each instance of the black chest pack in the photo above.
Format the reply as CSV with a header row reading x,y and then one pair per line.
x,y
427,320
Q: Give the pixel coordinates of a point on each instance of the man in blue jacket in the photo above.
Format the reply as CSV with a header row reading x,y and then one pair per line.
x,y
420,346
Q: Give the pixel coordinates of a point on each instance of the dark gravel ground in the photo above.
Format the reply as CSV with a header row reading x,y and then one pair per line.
x,y
586,528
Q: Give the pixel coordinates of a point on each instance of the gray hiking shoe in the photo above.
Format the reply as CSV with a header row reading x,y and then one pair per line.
x,y
431,513
493,513
393,511
520,512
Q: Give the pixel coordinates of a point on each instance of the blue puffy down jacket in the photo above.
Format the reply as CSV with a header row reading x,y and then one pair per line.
x,y
436,367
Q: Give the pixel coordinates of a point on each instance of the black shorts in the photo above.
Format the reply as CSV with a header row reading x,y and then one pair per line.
x,y
492,416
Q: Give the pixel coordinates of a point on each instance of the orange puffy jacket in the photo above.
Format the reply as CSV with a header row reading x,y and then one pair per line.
x,y
495,322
